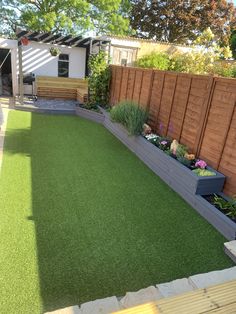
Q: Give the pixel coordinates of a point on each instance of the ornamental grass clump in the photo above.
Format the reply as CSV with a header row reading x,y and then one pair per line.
x,y
130,115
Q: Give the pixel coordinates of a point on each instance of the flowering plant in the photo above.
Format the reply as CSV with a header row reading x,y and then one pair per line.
x,y
163,143
201,164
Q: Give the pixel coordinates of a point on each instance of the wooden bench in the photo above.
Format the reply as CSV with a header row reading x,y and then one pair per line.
x,y
61,87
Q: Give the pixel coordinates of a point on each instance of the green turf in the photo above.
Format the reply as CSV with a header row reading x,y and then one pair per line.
x,y
82,218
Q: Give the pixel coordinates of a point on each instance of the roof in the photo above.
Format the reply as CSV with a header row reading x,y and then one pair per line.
x,y
131,38
58,39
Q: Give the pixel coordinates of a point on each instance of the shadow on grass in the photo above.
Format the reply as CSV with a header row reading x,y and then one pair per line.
x,y
104,223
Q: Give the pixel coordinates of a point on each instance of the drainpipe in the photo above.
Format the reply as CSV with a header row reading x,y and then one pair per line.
x,y
21,86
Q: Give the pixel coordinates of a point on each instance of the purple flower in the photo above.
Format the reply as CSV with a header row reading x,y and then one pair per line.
x,y
163,142
201,164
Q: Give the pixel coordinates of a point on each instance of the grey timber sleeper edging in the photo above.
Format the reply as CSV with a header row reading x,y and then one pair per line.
x,y
89,114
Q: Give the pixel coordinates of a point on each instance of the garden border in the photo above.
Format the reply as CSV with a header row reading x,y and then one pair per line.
x,y
148,153
90,115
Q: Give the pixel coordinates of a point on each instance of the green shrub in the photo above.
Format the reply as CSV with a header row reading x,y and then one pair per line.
x,y
203,172
99,79
223,69
181,151
130,115
155,60
228,206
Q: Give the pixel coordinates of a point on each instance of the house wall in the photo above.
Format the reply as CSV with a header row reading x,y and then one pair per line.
x,y
38,60
149,47
135,48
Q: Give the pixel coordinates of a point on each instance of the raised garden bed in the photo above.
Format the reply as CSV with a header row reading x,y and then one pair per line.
x,y
92,115
215,217
170,170
178,177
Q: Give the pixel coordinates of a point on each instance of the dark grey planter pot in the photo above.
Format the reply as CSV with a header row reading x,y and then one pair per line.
x,y
90,114
169,169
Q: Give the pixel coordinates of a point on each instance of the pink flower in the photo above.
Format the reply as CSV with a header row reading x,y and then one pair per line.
x,y
163,142
201,164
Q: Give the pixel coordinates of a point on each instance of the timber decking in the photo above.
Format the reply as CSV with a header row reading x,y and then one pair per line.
x,y
217,299
61,87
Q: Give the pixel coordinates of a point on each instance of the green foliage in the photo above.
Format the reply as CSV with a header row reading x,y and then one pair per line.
x,y
182,21
184,161
181,150
156,60
163,143
203,172
99,79
130,115
54,51
223,69
203,59
233,43
70,16
229,206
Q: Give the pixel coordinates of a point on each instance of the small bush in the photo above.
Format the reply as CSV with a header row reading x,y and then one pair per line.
x,y
203,172
130,115
223,69
155,60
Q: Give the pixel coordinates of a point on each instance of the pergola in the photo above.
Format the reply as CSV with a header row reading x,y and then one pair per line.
x,y
58,39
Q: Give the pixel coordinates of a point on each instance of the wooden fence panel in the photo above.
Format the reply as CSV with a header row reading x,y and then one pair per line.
x,y
124,83
197,110
137,85
179,106
130,87
155,98
117,85
144,98
166,102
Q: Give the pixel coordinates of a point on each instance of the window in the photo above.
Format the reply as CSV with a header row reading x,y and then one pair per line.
x,y
123,62
63,65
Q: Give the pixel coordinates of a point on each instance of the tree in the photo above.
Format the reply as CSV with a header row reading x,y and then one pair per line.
x,y
233,43
182,20
65,16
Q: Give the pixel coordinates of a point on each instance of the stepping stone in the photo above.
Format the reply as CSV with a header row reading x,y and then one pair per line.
x,y
68,310
140,297
176,287
230,249
213,278
102,306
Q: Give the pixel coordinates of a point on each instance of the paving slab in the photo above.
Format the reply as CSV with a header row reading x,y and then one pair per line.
x,y
213,278
175,287
230,249
68,310
140,297
102,306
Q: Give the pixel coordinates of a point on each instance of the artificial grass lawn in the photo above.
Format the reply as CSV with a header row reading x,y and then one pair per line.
x,y
82,218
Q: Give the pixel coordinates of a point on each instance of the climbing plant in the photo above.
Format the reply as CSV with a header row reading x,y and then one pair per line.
x,y
99,79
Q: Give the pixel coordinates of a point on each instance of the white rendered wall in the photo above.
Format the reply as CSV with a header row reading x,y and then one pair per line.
x,y
38,60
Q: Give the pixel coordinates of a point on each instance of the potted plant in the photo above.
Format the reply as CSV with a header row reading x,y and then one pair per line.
x,y
54,51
